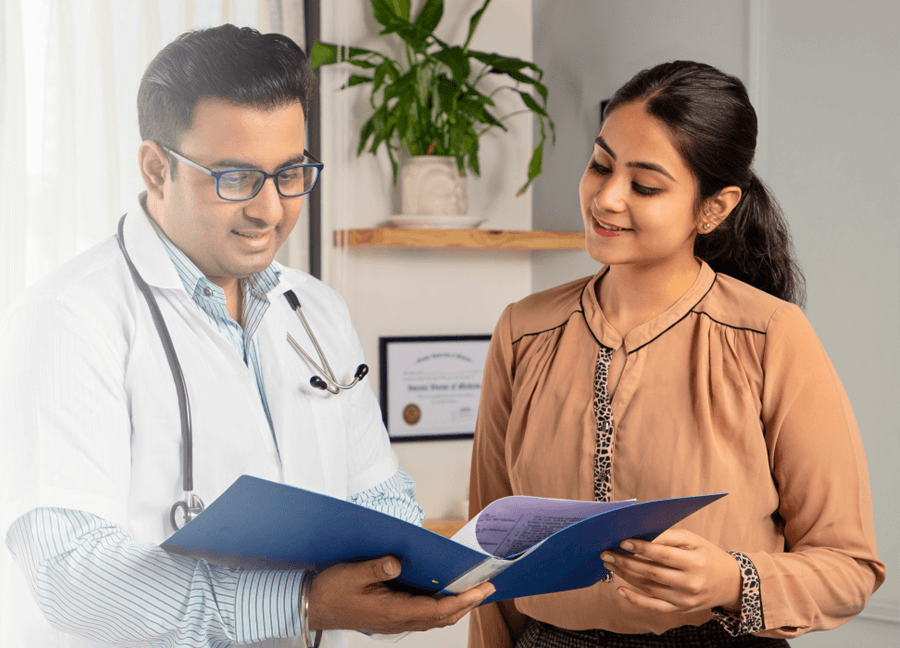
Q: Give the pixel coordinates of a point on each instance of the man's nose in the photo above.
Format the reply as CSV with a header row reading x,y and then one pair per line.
x,y
266,205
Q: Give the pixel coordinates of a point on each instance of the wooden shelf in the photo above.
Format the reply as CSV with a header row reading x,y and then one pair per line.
x,y
469,238
445,526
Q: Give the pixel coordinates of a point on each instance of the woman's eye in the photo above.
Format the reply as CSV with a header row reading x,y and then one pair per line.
x,y
598,168
644,191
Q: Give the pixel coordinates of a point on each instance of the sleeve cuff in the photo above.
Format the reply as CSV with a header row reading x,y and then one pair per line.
x,y
267,605
750,619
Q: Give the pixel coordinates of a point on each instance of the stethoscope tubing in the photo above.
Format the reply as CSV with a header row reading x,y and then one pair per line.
x,y
192,505
184,404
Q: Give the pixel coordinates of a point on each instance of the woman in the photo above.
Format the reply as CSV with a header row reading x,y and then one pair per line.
x,y
684,367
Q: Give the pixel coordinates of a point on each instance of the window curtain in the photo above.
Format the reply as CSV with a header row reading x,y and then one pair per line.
x,y
69,76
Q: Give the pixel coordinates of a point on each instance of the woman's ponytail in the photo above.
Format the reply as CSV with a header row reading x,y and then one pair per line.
x,y
754,245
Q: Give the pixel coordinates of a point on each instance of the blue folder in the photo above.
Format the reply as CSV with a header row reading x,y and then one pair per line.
x,y
264,524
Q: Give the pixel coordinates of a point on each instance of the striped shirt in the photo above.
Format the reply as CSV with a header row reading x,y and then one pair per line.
x,y
94,579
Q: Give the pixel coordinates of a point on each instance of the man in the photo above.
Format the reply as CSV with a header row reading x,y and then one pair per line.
x,y
93,453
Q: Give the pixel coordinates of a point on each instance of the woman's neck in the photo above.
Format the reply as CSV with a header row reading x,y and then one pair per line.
x,y
631,295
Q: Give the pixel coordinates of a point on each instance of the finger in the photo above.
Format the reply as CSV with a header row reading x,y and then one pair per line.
x,y
655,579
646,602
379,570
676,557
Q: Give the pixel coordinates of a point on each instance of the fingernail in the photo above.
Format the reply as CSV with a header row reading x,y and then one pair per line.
x,y
492,590
627,546
607,557
389,568
621,592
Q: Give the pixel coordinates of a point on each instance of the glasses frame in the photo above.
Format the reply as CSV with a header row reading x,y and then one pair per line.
x,y
316,164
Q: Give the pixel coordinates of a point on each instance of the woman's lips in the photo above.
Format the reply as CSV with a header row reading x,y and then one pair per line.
x,y
608,229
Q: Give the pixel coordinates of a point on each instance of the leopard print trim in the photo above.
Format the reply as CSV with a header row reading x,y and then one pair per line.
x,y
750,619
603,415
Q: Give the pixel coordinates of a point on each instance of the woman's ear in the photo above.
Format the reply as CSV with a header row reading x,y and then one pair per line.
x,y
154,167
717,208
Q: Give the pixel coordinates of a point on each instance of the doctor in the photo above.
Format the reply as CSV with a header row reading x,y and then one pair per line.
x,y
93,456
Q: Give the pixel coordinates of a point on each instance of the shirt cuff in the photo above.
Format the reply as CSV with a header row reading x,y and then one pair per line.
x,y
267,605
750,618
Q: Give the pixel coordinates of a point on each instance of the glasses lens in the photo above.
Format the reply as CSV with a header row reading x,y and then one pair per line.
x,y
240,185
297,180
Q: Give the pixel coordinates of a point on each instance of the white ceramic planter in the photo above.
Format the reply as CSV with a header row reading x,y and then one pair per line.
x,y
430,185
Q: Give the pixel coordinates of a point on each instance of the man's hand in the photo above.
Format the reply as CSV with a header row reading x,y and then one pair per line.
x,y
677,572
353,596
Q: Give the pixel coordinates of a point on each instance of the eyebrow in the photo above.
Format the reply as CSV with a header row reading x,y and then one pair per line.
x,y
649,166
233,163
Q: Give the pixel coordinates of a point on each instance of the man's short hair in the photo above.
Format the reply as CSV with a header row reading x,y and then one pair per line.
x,y
235,65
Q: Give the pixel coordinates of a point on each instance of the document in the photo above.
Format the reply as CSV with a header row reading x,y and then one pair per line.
x,y
523,545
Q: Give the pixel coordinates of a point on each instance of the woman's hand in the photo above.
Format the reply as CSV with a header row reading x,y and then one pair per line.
x,y
677,572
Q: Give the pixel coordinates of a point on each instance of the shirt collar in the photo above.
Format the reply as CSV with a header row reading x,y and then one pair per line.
x,y
193,279
648,331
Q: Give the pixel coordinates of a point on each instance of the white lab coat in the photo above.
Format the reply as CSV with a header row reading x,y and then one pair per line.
x,y
91,418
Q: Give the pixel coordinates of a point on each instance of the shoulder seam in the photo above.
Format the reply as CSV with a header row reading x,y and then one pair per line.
x,y
680,319
731,326
552,328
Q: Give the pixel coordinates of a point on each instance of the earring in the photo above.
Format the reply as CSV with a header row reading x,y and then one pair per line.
x,y
707,226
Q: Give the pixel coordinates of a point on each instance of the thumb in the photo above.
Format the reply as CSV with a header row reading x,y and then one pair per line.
x,y
384,569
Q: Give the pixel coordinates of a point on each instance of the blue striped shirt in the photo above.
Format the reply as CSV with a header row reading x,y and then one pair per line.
x,y
92,578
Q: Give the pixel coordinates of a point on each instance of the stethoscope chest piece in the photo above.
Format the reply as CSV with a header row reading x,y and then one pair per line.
x,y
327,381
186,510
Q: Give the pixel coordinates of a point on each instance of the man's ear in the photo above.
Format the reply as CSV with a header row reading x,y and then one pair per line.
x,y
154,167
717,208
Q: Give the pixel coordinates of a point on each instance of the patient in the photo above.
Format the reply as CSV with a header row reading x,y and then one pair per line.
x,y
683,367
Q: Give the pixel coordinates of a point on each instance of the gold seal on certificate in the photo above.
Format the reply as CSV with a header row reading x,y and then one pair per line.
x,y
430,386
412,414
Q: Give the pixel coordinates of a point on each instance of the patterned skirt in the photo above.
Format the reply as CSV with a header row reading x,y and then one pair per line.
x,y
709,635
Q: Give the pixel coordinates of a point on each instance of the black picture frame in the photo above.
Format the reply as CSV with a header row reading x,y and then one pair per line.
x,y
460,405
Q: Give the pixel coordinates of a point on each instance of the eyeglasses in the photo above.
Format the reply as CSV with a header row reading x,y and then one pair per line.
x,y
244,184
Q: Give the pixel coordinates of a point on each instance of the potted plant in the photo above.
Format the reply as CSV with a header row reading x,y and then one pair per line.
x,y
432,103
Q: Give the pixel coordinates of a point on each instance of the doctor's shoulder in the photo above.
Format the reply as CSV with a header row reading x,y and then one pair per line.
x,y
91,288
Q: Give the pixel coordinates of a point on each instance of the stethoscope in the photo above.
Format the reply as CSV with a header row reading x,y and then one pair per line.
x,y
191,506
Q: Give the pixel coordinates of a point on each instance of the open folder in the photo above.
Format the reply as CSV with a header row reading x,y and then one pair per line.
x,y
523,545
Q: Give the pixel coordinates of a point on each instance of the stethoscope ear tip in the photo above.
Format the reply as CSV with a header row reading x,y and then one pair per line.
x,y
318,383
361,371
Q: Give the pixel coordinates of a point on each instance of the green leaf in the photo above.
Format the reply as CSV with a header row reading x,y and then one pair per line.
x,y
473,22
534,167
532,104
430,15
322,54
503,63
356,79
328,54
455,59
390,12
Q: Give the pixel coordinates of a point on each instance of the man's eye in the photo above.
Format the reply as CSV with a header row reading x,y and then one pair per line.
x,y
237,179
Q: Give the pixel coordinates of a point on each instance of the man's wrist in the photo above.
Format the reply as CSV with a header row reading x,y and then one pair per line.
x,y
305,588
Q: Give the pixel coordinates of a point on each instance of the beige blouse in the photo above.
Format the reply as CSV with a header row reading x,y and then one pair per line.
x,y
728,390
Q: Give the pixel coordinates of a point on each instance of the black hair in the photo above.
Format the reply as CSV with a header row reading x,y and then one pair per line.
x,y
235,65
714,127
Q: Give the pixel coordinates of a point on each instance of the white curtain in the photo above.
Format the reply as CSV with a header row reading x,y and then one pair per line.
x,y
69,76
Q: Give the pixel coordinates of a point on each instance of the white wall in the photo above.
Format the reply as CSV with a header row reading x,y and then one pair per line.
x,y
416,291
823,75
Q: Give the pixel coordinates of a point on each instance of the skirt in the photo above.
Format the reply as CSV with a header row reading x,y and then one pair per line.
x,y
709,635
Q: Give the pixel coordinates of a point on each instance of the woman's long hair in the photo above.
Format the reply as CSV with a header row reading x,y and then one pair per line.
x,y
713,125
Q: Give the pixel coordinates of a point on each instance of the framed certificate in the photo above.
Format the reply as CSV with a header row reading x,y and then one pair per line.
x,y
430,386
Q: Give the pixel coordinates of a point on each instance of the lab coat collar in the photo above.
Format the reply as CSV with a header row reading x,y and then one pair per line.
x,y
146,249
